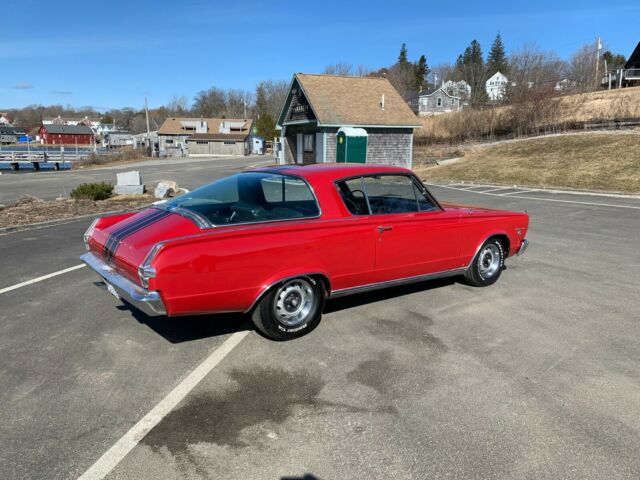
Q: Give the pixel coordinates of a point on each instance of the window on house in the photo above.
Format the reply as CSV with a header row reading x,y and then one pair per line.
x,y
439,102
202,142
453,102
308,143
168,141
229,142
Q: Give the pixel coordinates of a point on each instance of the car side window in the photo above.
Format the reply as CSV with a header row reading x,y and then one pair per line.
x,y
353,196
391,194
425,202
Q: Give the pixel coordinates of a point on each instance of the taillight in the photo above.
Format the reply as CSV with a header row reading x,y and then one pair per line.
x,y
89,232
146,271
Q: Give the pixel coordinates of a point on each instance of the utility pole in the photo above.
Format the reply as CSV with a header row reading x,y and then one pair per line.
x,y
146,112
598,48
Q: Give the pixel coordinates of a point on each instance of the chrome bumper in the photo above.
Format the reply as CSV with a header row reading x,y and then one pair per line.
x,y
147,301
523,247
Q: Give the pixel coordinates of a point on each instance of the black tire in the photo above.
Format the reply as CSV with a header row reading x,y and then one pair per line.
x,y
487,265
290,309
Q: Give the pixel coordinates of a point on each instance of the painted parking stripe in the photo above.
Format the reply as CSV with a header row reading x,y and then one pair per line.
x,y
40,279
612,205
514,193
122,447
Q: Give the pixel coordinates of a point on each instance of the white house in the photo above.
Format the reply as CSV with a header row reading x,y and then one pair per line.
x,y
496,86
459,89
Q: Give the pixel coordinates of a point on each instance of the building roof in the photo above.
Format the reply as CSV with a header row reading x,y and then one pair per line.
x,y
354,101
634,58
428,93
68,129
173,125
7,130
219,136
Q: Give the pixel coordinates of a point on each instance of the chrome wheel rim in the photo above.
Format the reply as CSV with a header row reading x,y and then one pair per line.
x,y
489,261
294,301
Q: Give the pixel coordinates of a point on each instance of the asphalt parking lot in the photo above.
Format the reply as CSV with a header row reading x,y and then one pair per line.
x,y
535,377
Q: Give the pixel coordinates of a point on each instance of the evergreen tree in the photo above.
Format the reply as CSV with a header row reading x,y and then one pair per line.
x,y
497,60
420,72
266,127
402,58
470,68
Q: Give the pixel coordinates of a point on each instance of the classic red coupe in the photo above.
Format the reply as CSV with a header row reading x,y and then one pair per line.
x,y
277,242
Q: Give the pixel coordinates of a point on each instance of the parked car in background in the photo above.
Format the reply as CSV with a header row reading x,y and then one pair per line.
x,y
277,242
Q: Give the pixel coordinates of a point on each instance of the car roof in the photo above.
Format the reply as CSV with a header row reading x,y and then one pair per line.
x,y
332,171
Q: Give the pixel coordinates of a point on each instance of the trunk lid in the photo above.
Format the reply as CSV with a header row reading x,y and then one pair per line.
x,y
125,244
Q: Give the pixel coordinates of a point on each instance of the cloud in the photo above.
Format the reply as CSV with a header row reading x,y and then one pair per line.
x,y
61,92
22,86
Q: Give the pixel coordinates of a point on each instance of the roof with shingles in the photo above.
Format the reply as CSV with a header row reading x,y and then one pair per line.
x,y
174,126
68,129
355,101
219,136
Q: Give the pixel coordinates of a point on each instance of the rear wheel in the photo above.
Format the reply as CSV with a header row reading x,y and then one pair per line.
x,y
487,265
291,309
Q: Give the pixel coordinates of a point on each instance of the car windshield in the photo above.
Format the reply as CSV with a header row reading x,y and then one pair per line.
x,y
250,197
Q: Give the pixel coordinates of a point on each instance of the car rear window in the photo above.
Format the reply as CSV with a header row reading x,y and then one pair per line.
x,y
251,197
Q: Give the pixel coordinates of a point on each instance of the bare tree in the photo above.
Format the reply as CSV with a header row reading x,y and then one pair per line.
x,y
339,68
582,67
531,66
178,105
441,73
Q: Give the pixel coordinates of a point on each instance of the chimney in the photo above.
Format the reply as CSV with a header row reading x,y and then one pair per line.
x,y
382,103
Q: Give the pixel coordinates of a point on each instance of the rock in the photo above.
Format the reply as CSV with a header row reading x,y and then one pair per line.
x,y
166,189
2,207
129,178
128,189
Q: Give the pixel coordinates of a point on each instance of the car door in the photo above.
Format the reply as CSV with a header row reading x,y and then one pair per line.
x,y
414,235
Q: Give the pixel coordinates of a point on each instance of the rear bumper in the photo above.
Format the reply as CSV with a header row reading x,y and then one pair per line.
x,y
148,301
523,247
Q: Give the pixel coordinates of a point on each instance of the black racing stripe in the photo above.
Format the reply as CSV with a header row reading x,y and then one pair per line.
x,y
121,234
116,237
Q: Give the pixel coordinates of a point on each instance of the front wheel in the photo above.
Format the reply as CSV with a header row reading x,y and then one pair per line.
x,y
291,309
487,265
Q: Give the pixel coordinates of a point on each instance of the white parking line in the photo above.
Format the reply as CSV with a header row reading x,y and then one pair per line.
x,y
39,279
122,447
514,193
542,199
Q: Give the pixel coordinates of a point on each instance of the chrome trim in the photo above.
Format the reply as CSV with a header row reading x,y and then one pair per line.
x,y
523,247
400,281
148,301
88,232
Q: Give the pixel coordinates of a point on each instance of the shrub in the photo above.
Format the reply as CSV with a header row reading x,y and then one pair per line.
x,y
92,191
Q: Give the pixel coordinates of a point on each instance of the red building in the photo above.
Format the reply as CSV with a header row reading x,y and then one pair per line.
x,y
66,135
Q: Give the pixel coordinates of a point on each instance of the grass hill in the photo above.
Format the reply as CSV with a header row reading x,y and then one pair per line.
x,y
594,161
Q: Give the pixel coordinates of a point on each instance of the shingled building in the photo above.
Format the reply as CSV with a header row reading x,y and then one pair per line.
x,y
321,112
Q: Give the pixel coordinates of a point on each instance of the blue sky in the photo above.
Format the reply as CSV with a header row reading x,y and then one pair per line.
x,y
116,53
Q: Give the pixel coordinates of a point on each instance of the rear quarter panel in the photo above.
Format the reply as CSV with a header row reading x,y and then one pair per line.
x,y
478,227
228,270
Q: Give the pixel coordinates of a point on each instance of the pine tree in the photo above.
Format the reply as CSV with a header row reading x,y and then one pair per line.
x,y
470,68
402,58
420,72
497,60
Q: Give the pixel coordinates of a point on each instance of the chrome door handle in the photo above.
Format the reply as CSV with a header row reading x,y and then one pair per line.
x,y
382,228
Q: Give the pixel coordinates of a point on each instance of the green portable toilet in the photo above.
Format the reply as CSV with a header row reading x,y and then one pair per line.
x,y
352,145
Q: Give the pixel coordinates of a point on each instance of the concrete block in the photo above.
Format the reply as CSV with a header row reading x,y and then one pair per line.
x,y
165,189
129,178
129,189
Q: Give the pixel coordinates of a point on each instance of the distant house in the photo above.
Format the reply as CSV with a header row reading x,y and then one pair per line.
x,y
4,120
459,89
90,122
54,134
118,138
11,134
496,86
322,113
204,136
434,101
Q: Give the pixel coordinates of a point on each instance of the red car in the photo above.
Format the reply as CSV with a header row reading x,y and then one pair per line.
x,y
276,242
